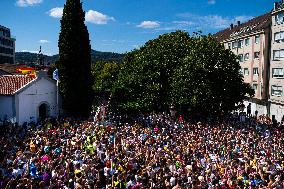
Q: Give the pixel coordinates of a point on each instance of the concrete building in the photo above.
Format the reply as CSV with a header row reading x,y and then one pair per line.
x,y
7,46
251,42
25,99
276,82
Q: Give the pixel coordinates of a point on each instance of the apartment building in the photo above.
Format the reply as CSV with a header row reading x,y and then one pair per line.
x,y
276,80
251,42
7,46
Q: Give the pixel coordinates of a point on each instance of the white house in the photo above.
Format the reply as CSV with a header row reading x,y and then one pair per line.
x,y
25,99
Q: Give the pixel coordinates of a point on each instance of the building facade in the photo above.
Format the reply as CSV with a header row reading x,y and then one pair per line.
x,y
259,44
250,41
276,80
7,46
25,99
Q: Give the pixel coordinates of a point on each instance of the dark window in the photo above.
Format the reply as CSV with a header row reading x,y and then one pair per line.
x,y
5,59
6,42
256,54
4,50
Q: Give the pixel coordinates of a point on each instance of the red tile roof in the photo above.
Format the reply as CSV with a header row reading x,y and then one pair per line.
x,y
9,84
255,24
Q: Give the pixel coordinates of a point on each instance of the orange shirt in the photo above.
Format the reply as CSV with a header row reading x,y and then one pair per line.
x,y
32,147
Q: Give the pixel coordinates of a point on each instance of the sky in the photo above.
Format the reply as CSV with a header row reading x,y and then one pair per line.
x,y
122,25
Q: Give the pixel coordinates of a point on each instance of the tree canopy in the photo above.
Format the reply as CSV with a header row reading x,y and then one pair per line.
x,y
193,73
105,74
74,66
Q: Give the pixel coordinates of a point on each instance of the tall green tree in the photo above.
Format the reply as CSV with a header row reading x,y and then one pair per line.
x,y
105,75
74,66
209,79
143,83
192,72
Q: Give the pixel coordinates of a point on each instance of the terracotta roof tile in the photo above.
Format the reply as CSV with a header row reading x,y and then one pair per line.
x,y
255,24
9,84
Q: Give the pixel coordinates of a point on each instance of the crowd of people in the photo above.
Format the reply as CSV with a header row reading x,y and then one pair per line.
x,y
154,152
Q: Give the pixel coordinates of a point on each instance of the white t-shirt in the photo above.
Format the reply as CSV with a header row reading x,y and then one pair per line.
x,y
173,181
106,171
172,168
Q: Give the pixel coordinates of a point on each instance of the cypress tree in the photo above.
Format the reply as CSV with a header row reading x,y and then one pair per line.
x,y
74,66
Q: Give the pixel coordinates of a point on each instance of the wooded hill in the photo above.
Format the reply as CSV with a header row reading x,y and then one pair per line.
x,y
27,57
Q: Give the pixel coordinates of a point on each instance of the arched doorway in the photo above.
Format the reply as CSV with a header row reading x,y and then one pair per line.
x,y
43,111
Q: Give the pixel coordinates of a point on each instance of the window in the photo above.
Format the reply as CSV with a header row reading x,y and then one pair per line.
x,y
246,56
246,71
255,71
277,72
276,90
229,45
278,54
254,86
257,39
279,36
6,42
234,44
279,18
4,50
256,54
241,57
241,71
5,59
240,44
247,41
